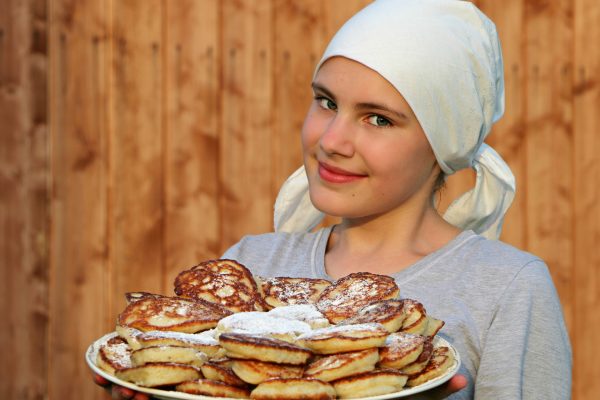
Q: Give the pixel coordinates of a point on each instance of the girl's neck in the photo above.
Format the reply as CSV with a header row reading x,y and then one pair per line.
x,y
388,243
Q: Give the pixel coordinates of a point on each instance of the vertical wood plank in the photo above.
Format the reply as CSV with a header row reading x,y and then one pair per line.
x,y
79,265
192,146
300,41
549,144
508,135
338,12
586,319
24,192
246,119
136,146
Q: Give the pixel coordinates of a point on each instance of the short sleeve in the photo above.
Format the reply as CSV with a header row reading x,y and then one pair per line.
x,y
526,351
232,253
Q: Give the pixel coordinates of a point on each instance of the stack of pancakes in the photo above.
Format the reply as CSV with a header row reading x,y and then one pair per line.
x,y
228,333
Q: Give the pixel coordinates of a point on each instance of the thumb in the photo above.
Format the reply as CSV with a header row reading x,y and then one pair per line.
x,y
456,383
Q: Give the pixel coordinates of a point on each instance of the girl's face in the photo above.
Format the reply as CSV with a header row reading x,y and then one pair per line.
x,y
365,153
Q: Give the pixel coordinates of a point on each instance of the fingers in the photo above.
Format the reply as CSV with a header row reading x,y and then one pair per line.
x,y
100,381
456,383
121,393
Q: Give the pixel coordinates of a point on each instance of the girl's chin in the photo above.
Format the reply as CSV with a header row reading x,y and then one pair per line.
x,y
336,207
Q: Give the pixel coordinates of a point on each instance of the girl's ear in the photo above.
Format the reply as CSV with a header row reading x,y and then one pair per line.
x,y
440,180
438,185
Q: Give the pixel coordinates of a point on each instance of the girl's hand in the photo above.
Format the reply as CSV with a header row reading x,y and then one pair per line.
x,y
456,383
119,392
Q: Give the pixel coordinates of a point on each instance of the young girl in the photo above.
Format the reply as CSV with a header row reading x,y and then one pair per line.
x,y
404,95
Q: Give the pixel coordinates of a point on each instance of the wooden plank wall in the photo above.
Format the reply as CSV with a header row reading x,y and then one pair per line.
x,y
24,199
138,137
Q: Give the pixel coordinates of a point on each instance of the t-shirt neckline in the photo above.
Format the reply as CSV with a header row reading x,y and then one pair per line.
x,y
318,253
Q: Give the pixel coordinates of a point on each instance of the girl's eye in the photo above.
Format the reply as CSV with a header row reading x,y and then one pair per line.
x,y
378,120
326,103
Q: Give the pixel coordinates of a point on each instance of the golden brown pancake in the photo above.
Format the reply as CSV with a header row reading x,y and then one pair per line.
x,y
283,291
401,349
421,362
130,297
225,282
441,360
337,366
293,389
254,347
433,326
372,383
203,341
255,372
222,373
130,335
171,314
389,313
349,294
416,317
343,338
207,387
159,374
176,354
114,355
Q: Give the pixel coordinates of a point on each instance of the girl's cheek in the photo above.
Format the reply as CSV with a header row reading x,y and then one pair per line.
x,y
310,131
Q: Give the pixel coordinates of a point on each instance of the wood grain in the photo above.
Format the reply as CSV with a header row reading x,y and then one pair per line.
x,y
549,144
192,230
245,164
296,21
24,193
508,135
79,289
137,219
172,125
339,11
586,173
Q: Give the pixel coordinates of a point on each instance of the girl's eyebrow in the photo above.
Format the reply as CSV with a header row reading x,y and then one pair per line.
x,y
317,87
381,107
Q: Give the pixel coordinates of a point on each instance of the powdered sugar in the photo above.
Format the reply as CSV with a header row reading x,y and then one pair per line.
x,y
301,312
262,323
119,354
358,290
194,338
292,291
341,329
401,340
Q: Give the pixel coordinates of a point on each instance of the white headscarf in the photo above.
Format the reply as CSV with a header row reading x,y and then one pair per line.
x,y
444,57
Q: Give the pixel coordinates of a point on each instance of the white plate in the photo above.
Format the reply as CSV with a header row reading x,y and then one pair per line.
x,y
92,352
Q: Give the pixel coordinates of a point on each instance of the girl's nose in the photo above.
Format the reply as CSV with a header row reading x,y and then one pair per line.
x,y
337,139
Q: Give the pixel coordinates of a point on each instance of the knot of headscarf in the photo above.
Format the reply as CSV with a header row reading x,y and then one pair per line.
x,y
444,57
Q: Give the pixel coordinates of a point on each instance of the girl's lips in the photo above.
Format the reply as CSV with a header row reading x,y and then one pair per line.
x,y
336,175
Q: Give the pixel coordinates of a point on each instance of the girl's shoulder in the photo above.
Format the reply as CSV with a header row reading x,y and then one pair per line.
x,y
276,242
498,257
279,253
491,248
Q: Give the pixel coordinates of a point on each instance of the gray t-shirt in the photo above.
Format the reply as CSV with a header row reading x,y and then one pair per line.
x,y
499,304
